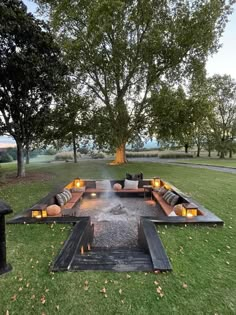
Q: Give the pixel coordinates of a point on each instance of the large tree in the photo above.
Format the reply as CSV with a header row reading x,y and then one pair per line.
x,y
122,48
30,74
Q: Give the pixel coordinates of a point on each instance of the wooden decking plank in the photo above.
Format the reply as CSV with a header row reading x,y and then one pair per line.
x,y
66,254
156,249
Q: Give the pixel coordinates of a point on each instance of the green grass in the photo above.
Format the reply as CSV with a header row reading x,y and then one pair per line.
x,y
212,161
203,257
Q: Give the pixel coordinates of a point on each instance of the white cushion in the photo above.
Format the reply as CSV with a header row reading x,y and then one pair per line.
x,y
172,214
131,184
103,184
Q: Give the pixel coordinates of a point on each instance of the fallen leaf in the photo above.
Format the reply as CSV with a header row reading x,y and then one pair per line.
x,y
13,298
156,282
161,294
43,300
20,279
86,288
105,281
57,307
120,291
227,262
47,290
185,285
128,276
103,290
32,297
27,284
158,290
7,312
86,282
105,295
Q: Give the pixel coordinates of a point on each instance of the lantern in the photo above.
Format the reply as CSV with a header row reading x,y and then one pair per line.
x,y
39,213
77,183
189,210
156,182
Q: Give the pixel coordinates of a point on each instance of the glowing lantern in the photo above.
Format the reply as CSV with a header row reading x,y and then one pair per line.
x,y
77,183
156,182
189,210
39,213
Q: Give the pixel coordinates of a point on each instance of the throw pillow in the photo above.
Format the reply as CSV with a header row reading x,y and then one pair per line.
x,y
131,184
171,198
63,197
117,186
178,209
53,210
162,190
103,184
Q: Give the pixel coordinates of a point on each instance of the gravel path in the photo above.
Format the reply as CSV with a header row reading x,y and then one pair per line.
x,y
116,219
230,170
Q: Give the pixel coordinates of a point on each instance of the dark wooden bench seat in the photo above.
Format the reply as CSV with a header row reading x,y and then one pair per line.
x,y
72,202
164,205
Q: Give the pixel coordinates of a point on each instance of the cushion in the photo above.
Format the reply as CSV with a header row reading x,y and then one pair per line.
x,y
103,184
171,198
178,209
67,193
63,197
172,214
117,186
53,210
162,190
131,184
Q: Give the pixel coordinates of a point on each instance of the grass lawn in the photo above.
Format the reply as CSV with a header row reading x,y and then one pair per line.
x,y
211,161
203,258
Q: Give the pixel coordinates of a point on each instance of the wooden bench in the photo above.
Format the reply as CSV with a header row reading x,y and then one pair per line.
x,y
164,205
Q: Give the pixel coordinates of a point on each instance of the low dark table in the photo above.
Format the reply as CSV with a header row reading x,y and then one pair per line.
x,y
147,190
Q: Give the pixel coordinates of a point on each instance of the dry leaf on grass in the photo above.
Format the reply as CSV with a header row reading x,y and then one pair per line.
x,y
43,300
13,298
7,312
103,290
185,285
120,291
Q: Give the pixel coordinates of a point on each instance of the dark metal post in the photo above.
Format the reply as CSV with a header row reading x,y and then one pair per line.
x,y
4,267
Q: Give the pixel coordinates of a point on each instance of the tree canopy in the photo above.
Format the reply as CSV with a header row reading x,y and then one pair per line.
x,y
122,49
31,72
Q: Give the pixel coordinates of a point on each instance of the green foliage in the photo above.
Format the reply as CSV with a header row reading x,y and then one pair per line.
x,y
141,154
50,151
5,157
31,73
120,50
97,155
65,156
175,155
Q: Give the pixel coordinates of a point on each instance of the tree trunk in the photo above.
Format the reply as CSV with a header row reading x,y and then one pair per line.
x,y
20,160
198,150
186,147
27,158
222,155
120,157
209,153
74,148
230,154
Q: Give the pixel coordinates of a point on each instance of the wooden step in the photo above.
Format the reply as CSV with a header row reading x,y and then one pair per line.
x,y
114,259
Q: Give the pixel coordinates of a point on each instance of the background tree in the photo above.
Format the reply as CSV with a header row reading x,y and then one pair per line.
x,y
69,120
30,73
121,49
223,95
